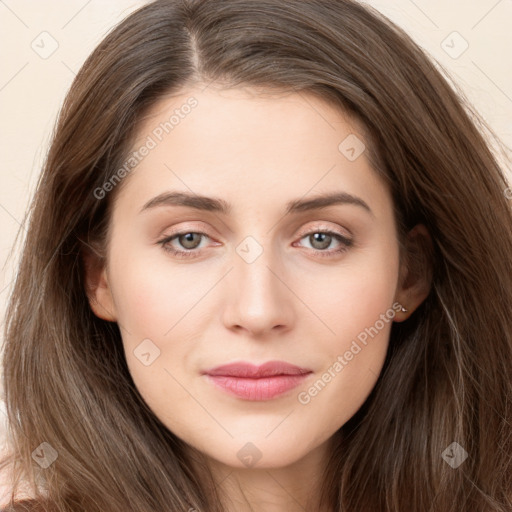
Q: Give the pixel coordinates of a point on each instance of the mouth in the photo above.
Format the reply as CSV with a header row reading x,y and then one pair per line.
x,y
257,383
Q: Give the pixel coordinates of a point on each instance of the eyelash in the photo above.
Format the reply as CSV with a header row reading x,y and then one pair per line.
x,y
192,253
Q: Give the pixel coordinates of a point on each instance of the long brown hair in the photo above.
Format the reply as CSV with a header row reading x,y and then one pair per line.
x,y
448,372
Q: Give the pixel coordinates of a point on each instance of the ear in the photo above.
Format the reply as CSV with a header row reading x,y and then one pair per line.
x,y
96,285
415,276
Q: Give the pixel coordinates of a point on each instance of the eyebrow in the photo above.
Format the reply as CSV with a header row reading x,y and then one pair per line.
x,y
217,205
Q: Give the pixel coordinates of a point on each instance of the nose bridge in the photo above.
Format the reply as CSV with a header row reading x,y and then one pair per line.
x,y
253,266
259,298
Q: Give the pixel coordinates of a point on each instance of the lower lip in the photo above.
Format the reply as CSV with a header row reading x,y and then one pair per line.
x,y
264,388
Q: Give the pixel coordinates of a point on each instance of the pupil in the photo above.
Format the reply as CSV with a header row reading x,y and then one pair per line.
x,y
323,238
189,239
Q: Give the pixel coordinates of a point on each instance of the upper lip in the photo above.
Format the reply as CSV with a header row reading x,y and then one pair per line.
x,y
249,370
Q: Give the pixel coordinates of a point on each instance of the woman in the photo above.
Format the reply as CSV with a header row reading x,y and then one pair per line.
x,y
267,268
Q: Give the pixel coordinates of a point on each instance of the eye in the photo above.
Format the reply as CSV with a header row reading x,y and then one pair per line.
x,y
321,240
189,240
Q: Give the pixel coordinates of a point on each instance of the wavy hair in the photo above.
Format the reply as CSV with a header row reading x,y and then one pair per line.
x,y
448,371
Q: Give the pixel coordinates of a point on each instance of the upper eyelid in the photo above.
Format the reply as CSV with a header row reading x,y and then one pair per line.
x,y
314,229
301,234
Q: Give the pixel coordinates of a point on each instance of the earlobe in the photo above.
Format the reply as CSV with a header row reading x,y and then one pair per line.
x,y
97,287
415,272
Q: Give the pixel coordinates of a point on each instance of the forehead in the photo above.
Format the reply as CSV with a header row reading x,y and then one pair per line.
x,y
246,144
295,114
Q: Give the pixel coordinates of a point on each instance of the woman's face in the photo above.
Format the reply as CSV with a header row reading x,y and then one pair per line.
x,y
242,178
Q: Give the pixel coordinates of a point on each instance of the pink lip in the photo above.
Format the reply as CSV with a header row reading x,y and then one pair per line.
x,y
252,382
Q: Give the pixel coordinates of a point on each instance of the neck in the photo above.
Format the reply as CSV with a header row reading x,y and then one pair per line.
x,y
292,488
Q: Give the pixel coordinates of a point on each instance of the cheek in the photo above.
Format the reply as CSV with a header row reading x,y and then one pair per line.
x,y
153,295
157,305
357,315
353,296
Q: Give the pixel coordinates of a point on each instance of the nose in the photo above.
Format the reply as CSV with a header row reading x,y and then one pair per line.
x,y
259,298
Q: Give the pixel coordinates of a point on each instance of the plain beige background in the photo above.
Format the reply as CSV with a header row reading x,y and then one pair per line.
x,y
44,43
